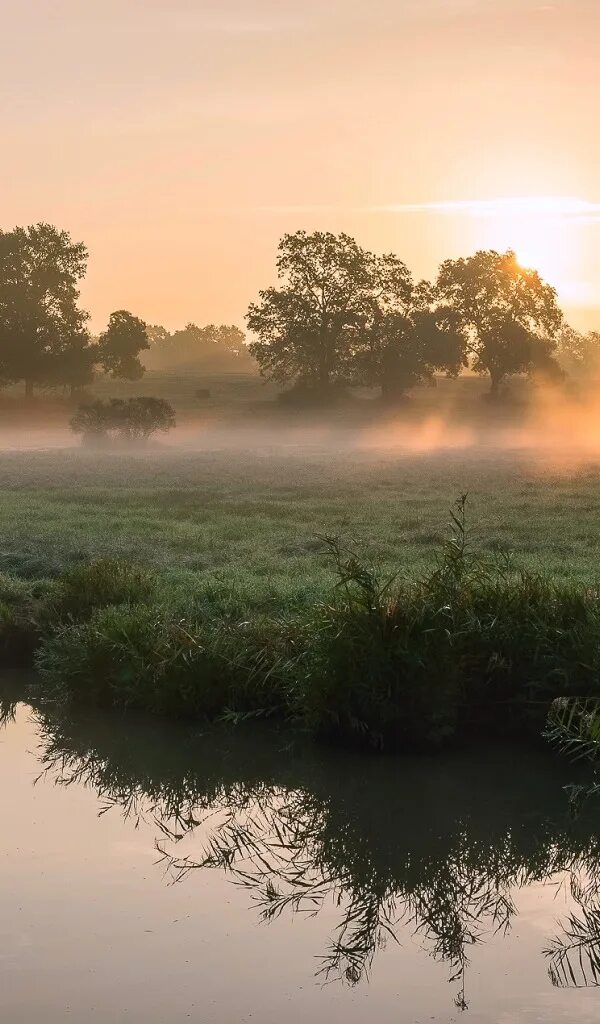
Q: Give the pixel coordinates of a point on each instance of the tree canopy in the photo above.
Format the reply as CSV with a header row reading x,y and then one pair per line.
x,y
119,346
43,336
579,353
510,314
44,339
344,315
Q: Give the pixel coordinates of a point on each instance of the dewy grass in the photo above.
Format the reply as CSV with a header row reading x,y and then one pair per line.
x,y
473,647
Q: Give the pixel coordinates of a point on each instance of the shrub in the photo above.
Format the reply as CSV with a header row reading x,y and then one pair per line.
x,y
98,584
133,419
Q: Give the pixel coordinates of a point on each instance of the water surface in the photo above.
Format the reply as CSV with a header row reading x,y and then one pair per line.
x,y
153,873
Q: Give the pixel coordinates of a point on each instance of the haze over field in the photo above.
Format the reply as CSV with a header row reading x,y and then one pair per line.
x,y
181,139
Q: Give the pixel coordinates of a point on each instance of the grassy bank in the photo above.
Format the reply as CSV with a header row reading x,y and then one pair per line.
x,y
473,646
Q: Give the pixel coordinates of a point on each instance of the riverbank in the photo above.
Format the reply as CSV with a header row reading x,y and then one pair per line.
x,y
472,647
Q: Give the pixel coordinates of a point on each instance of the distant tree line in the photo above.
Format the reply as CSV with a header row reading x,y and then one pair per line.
x,y
211,348
341,315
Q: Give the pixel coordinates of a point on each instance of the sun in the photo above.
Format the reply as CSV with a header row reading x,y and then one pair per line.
x,y
542,231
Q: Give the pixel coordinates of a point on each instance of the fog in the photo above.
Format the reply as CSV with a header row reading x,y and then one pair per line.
x,y
552,429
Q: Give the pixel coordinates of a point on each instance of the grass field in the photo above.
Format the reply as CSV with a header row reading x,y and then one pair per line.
x,y
241,496
251,520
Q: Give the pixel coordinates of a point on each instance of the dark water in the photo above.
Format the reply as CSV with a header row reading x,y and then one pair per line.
x,y
156,874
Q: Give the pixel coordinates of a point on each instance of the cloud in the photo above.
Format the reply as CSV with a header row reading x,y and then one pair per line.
x,y
563,207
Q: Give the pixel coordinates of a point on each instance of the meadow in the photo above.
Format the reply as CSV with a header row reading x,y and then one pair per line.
x,y
289,563
252,520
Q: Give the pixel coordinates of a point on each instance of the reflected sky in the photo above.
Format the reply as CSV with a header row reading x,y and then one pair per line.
x,y
152,873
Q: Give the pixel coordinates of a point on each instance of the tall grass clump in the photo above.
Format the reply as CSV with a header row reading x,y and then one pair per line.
x,y
23,605
136,656
99,584
472,647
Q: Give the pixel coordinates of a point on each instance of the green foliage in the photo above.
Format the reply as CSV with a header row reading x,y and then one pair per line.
x,y
472,648
512,316
573,726
137,656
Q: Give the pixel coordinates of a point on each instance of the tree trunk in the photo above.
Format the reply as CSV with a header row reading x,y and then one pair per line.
x,y
496,379
28,389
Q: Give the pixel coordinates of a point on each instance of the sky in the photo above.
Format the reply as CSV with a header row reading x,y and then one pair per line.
x,y
181,138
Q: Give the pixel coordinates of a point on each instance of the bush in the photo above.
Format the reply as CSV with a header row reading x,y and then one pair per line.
x,y
133,419
106,581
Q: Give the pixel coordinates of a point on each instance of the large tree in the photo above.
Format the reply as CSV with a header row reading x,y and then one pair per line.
x,y
405,336
306,329
41,325
343,314
119,346
511,315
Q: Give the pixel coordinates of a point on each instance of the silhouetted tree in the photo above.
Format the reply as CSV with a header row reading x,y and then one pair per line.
x,y
406,338
344,314
511,315
43,339
119,346
307,327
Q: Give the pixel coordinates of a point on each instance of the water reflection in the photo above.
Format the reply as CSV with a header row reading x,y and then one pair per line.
x,y
438,847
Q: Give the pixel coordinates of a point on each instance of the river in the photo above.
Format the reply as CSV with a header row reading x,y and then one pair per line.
x,y
155,873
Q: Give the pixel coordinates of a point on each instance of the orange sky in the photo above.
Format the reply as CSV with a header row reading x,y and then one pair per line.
x,y
180,139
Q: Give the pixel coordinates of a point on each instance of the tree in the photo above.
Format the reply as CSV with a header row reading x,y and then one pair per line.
x,y
306,329
346,315
133,419
579,353
41,326
511,315
119,346
405,337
